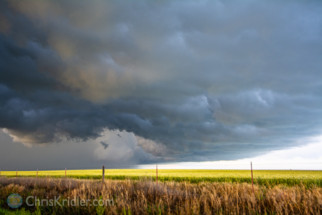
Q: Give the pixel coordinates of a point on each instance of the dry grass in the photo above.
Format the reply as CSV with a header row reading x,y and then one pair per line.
x,y
147,197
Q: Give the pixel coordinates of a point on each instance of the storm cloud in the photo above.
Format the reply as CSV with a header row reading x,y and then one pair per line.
x,y
191,80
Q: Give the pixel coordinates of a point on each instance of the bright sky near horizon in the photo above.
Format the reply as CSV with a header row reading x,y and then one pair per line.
x,y
308,157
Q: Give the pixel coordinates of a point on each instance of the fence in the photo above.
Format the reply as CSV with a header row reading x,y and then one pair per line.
x,y
175,174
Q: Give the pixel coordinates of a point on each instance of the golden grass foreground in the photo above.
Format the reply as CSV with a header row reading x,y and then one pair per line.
x,y
147,197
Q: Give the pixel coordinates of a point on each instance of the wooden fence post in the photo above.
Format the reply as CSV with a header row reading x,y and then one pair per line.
x,y
251,169
103,174
156,169
65,172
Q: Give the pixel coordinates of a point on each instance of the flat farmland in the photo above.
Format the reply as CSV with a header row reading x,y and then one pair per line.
x,y
261,177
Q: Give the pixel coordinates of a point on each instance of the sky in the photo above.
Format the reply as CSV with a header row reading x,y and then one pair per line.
x,y
185,84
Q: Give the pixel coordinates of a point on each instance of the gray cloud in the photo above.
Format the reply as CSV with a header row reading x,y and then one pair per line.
x,y
105,145
191,80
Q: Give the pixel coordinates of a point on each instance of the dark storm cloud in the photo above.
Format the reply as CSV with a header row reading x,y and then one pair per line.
x,y
202,80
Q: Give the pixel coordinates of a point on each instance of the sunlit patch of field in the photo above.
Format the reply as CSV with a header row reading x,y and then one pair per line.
x,y
262,177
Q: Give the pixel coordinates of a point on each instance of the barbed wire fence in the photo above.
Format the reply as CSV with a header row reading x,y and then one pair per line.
x,y
314,166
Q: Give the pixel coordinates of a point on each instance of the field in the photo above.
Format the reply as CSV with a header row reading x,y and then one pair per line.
x,y
145,197
261,177
135,191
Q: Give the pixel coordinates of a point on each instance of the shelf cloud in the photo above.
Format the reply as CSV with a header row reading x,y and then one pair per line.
x,y
189,80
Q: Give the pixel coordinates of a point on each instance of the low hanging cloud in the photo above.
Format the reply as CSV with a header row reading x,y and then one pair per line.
x,y
190,80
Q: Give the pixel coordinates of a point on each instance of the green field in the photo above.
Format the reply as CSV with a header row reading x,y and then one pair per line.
x,y
261,177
